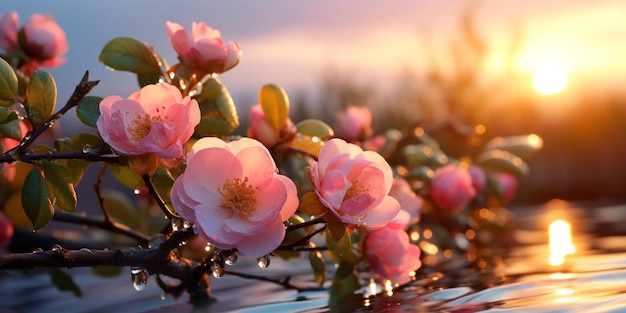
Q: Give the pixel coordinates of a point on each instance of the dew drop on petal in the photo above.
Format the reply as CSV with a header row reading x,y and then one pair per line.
x,y
139,277
263,262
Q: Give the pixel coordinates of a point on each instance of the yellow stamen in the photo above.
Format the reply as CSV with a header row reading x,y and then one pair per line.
x,y
142,125
239,196
355,190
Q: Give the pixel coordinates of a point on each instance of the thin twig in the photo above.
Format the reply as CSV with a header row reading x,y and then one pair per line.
x,y
154,193
98,187
81,90
111,226
300,242
318,220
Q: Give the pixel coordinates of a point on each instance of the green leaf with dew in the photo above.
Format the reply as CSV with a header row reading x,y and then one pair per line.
x,y
41,96
36,199
88,110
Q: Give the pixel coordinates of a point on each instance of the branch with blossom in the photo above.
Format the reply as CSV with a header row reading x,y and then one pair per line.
x,y
356,199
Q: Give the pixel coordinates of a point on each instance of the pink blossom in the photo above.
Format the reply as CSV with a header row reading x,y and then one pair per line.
x,y
354,184
374,143
260,129
9,24
156,119
203,48
507,185
390,253
451,188
233,194
6,231
409,201
44,42
354,124
479,179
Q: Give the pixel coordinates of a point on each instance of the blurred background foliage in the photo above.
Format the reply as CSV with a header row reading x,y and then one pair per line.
x,y
583,152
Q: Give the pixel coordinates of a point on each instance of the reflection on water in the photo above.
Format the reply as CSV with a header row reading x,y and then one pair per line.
x,y
591,280
560,233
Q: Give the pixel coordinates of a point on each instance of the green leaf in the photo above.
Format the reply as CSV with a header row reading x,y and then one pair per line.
x,y
417,154
275,104
9,124
121,207
129,54
318,266
8,84
36,199
310,204
315,128
126,176
502,161
79,143
305,144
163,181
342,248
219,114
88,110
148,78
64,282
336,228
41,94
60,185
522,146
345,283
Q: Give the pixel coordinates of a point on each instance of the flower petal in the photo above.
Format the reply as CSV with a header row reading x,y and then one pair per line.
x,y
264,242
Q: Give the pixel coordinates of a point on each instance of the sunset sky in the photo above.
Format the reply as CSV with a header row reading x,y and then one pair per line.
x,y
290,43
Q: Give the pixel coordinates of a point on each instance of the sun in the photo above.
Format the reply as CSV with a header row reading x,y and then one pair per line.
x,y
550,79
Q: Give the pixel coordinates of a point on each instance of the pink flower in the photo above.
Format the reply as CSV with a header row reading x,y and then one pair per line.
x,y
354,124
44,42
9,24
409,201
479,179
231,191
156,119
390,253
203,48
260,129
506,184
451,188
354,184
6,231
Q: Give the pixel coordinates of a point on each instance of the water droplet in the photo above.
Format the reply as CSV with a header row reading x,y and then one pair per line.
x,y
87,148
217,270
85,250
208,248
156,241
187,224
136,191
182,243
163,296
263,262
37,250
177,223
139,277
56,248
231,259
50,123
